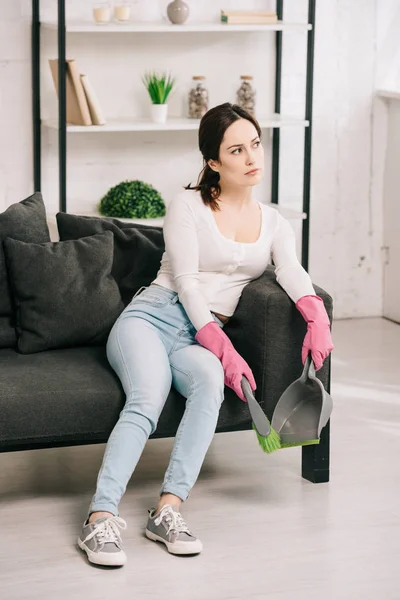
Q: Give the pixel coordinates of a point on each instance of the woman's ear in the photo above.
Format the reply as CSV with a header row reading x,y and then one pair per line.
x,y
213,165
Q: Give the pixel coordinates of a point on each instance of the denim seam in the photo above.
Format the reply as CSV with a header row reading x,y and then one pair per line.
x,y
103,507
152,303
166,298
178,337
122,356
108,447
176,490
182,425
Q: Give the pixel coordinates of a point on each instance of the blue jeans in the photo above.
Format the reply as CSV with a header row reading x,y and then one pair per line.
x,y
151,346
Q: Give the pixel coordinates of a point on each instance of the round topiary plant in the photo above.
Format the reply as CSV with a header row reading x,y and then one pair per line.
x,y
134,200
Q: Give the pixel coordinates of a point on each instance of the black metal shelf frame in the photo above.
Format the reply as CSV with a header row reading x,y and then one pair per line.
x,y
62,125
315,459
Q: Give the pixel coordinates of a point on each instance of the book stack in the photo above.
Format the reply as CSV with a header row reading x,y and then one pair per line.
x,y
248,17
83,107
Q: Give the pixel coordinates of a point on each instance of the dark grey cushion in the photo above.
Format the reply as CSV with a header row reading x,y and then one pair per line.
x,y
72,396
25,221
64,292
137,248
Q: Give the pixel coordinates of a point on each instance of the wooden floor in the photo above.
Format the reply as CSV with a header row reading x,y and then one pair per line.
x,y
267,533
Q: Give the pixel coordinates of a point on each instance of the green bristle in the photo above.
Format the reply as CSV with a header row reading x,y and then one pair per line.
x,y
268,443
305,443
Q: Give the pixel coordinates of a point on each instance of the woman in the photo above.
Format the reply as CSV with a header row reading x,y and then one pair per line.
x,y
218,238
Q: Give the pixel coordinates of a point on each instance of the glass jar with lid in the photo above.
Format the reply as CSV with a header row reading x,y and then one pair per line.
x,y
246,94
198,98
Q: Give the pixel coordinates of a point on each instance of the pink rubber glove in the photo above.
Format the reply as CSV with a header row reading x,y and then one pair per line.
x,y
318,338
214,339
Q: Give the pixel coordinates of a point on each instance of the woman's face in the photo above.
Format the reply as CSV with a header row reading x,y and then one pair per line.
x,y
240,152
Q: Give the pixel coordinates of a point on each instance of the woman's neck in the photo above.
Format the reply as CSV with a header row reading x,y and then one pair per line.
x,y
237,197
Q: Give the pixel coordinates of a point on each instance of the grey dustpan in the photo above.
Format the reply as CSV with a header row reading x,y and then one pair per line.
x,y
303,410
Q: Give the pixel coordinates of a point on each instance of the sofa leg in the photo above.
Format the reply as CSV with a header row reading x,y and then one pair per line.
x,y
315,459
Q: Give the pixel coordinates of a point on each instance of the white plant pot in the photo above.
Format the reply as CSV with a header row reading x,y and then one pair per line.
x,y
159,113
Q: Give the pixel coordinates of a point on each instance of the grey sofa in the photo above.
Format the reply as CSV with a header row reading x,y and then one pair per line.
x,y
71,396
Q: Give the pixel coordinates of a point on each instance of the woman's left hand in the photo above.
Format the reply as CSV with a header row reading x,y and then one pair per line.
x,y
318,339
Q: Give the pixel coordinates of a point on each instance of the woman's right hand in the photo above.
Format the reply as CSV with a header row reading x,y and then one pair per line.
x,y
214,339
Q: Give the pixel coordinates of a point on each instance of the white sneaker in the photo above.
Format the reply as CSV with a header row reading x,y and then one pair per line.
x,y
101,540
170,528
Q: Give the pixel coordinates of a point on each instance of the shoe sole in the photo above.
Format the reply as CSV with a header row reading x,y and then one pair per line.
x,y
176,547
105,560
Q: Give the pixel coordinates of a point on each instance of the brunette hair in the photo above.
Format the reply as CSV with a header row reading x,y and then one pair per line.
x,y
211,132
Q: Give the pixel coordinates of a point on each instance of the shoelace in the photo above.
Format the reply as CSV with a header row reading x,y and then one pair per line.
x,y
174,520
108,531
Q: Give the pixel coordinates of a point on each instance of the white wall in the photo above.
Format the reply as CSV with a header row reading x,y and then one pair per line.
x,y
16,173
115,64
346,201
387,45
346,225
391,212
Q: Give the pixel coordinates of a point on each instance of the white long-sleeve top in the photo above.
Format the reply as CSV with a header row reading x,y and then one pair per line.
x,y
209,270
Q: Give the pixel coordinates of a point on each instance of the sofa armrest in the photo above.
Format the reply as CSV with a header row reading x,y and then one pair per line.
x,y
268,331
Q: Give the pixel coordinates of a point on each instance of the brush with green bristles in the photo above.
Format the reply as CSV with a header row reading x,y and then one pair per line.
x,y
268,438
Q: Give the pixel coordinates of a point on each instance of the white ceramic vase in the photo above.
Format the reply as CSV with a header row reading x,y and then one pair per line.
x,y
178,12
159,113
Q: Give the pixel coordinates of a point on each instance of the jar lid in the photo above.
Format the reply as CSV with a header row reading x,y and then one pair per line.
x,y
246,77
198,77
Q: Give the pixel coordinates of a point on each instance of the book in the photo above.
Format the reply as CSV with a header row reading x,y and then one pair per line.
x,y
75,114
96,113
80,92
248,17
248,20
260,13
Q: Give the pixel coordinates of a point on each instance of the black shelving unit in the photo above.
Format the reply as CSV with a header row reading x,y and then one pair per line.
x,y
62,125
315,459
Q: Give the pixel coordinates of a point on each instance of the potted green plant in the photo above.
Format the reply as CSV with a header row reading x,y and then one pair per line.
x,y
132,200
159,88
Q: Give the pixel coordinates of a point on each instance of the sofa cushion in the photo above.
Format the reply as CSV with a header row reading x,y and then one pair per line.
x,y
137,248
72,396
64,292
24,221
